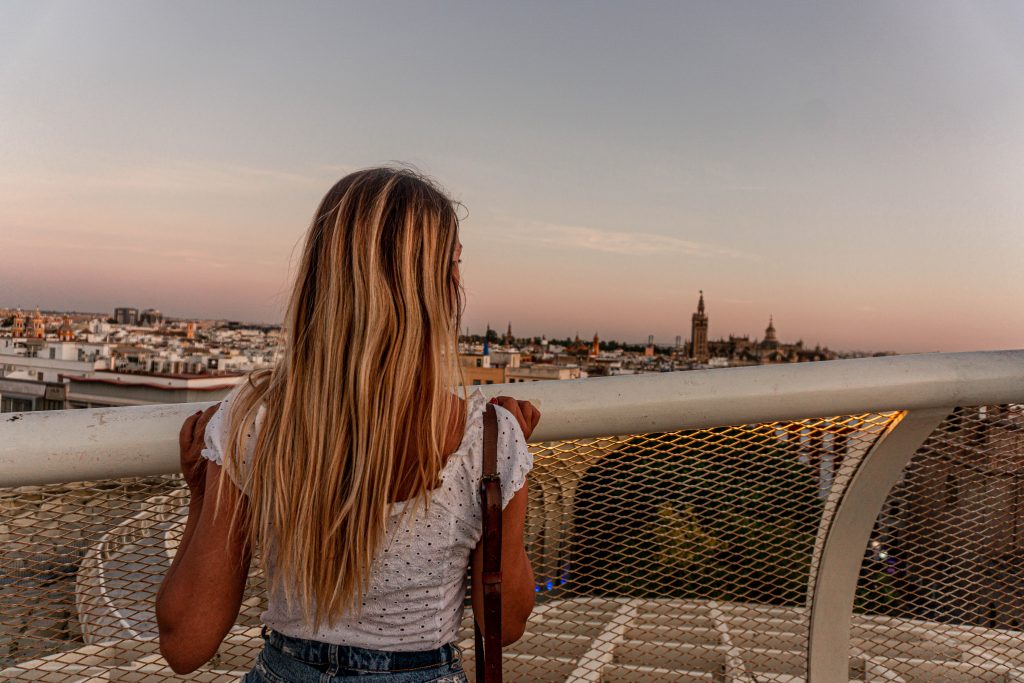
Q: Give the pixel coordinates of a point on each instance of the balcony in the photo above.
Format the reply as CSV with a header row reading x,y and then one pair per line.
x,y
844,520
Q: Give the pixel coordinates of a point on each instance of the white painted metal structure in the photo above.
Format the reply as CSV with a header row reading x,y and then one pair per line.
x,y
135,441
41,448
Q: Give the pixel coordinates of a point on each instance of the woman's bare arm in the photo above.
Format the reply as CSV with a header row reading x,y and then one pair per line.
x,y
200,596
517,583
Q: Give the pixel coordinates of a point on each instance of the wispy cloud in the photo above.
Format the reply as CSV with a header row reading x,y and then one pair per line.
x,y
195,177
179,177
629,243
180,257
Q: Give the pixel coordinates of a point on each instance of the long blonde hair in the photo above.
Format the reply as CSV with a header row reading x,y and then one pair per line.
x,y
370,360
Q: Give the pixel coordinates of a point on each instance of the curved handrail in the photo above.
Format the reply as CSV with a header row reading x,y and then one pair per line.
x,y
77,445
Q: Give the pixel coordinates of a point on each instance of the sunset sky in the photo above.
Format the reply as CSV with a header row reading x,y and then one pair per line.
x,y
855,170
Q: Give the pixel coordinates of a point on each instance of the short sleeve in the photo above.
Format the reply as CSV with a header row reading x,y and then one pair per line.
x,y
514,457
215,437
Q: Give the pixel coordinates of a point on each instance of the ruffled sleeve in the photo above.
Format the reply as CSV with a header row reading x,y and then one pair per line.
x,y
514,457
462,478
215,437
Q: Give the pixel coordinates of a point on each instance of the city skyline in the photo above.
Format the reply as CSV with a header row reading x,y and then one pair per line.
x,y
500,331
852,171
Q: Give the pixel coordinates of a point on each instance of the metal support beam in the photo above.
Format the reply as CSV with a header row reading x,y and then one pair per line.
x,y
835,583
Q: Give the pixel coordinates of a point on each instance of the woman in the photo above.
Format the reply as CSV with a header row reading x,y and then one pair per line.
x,y
351,465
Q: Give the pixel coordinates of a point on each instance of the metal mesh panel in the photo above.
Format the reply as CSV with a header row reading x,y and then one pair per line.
x,y
941,590
80,565
678,556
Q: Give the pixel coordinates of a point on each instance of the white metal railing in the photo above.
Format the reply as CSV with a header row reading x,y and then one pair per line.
x,y
136,441
66,446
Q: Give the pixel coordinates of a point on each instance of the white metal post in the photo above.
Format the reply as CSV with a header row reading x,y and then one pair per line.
x,y
846,538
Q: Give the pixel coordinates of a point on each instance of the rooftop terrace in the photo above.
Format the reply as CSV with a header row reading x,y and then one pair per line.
x,y
843,520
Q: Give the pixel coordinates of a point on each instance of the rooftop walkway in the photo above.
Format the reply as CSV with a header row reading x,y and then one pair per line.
x,y
835,521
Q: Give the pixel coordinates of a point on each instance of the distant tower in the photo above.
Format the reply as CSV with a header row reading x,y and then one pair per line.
x,y
770,340
595,348
38,325
649,351
190,330
699,333
19,324
66,331
679,341
151,316
509,339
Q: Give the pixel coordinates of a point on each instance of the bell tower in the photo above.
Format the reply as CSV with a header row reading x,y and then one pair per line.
x,y
771,341
699,333
66,331
38,325
18,329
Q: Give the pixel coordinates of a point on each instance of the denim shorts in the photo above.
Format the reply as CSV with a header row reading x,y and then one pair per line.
x,y
285,659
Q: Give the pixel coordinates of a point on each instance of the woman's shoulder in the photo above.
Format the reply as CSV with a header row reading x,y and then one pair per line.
x,y
217,429
514,456
472,428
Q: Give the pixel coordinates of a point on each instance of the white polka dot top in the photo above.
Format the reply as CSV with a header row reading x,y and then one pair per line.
x,y
419,579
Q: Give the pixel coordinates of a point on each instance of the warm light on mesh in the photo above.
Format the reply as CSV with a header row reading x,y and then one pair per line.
x,y
679,556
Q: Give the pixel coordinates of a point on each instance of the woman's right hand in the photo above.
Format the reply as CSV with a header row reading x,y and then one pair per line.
x,y
191,439
525,413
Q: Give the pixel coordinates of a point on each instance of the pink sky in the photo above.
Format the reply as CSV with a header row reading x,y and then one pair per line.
x,y
866,198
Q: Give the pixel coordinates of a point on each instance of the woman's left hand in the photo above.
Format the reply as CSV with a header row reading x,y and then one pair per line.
x,y
191,440
524,412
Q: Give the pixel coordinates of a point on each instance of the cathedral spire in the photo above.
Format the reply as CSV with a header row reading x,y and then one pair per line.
x,y
699,349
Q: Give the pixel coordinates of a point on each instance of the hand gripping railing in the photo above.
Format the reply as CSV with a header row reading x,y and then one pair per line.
x,y
65,446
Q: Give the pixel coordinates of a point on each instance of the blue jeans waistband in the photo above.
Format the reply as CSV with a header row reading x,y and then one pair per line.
x,y
326,656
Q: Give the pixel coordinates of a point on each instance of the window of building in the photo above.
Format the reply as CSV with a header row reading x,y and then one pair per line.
x,y
479,362
489,382
475,382
9,404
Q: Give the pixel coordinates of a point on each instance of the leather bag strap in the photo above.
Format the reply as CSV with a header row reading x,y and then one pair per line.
x,y
488,646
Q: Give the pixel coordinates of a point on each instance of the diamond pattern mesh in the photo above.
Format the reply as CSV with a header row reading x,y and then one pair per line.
x,y
941,589
680,556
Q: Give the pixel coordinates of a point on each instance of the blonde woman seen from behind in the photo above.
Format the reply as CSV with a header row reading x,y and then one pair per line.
x,y
353,465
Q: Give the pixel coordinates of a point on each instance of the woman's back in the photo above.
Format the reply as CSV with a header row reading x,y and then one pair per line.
x,y
356,413
417,583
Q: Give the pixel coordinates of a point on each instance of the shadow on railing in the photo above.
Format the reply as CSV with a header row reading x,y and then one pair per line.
x,y
735,531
